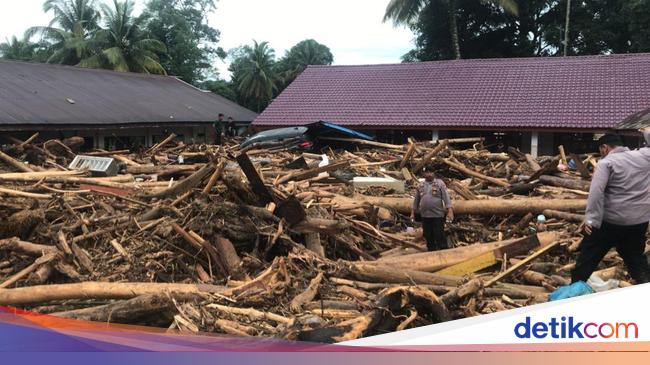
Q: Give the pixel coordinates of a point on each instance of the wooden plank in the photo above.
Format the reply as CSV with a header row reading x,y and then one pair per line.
x,y
263,193
472,265
521,264
485,260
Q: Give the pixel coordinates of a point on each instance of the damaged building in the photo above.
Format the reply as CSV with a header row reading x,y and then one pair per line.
x,y
534,104
111,110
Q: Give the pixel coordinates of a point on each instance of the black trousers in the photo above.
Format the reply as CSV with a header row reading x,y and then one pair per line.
x,y
629,242
434,233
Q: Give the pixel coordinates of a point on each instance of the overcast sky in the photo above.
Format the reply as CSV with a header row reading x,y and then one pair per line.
x,y
353,29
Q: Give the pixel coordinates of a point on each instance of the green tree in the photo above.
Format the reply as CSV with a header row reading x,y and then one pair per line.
x,y
221,87
484,31
405,12
296,59
122,44
69,14
68,37
18,49
183,27
254,75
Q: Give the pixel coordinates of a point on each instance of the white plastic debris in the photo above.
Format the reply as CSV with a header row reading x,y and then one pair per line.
x,y
599,285
325,161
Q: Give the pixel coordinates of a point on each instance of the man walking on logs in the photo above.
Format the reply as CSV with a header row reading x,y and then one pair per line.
x,y
618,211
433,204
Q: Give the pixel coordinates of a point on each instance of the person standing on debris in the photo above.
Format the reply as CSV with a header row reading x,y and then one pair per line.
x,y
218,130
433,204
618,211
231,129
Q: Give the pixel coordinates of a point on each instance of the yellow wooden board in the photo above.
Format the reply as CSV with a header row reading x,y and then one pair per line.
x,y
469,266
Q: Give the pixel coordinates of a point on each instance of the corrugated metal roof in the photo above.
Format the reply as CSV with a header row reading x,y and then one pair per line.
x,y
592,92
32,93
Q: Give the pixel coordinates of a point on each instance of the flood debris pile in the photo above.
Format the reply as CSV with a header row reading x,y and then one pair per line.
x,y
283,244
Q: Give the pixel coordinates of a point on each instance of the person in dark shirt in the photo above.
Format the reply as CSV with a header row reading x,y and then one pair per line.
x,y
433,204
218,130
231,129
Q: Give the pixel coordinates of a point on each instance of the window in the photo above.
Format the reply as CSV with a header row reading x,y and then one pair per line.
x,y
132,143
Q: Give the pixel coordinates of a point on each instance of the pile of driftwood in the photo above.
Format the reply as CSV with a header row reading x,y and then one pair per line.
x,y
281,243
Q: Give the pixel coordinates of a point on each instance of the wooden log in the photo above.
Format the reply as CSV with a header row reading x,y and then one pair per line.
x,y
199,243
15,244
465,140
160,145
29,269
23,194
453,297
532,163
308,295
425,160
308,174
478,175
97,290
484,207
313,244
437,260
17,176
228,254
65,180
462,190
14,163
125,311
28,140
320,225
562,155
409,153
578,218
161,170
365,142
565,183
388,274
186,184
252,313
549,167
523,223
218,173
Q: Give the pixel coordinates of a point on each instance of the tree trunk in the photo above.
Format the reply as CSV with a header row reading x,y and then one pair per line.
x,y
97,290
574,184
485,206
453,29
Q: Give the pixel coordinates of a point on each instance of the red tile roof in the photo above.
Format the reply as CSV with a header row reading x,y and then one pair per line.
x,y
590,92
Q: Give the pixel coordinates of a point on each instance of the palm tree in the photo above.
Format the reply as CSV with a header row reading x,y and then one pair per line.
x,y
303,54
71,40
19,50
256,77
64,47
407,11
123,45
70,14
